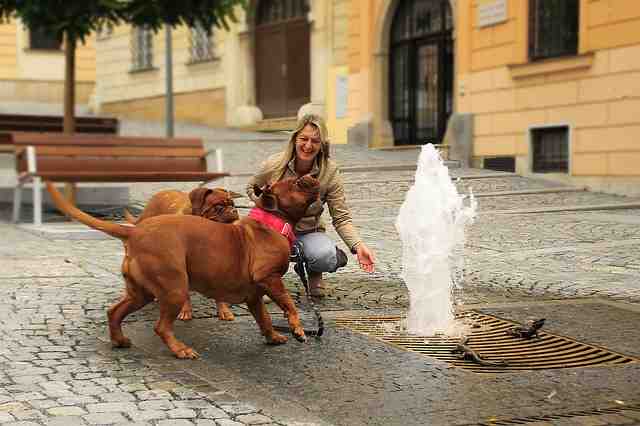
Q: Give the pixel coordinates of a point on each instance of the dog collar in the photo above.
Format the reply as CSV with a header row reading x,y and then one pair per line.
x,y
274,222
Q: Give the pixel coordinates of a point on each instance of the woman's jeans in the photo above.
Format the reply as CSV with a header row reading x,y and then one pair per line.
x,y
320,252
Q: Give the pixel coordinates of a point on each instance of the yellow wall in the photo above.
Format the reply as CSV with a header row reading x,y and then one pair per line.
x,y
37,76
596,92
8,50
119,87
203,107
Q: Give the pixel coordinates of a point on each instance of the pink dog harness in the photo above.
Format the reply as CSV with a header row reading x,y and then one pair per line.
x,y
274,222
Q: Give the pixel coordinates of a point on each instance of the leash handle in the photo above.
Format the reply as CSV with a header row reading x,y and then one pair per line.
x,y
301,270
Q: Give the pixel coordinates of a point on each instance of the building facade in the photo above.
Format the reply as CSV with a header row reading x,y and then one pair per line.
x,y
540,87
553,88
32,71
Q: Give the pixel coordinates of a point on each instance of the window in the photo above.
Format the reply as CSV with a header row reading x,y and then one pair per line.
x,y
141,49
550,147
41,39
104,32
274,11
553,28
501,164
201,44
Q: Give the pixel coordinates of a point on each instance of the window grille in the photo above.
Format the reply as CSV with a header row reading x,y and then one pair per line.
x,y
141,49
553,28
274,11
201,44
550,149
104,32
41,39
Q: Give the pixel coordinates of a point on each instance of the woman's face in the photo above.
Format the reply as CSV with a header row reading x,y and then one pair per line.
x,y
308,143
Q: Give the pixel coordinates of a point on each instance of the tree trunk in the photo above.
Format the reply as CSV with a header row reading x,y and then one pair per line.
x,y
69,84
69,123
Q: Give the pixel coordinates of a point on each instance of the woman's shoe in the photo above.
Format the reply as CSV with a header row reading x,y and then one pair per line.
x,y
316,285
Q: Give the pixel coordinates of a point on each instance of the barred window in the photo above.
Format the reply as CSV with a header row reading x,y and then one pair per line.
x,y
550,149
104,32
275,11
201,44
41,39
141,49
553,28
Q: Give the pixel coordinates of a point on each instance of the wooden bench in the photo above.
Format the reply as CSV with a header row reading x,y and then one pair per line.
x,y
54,123
93,158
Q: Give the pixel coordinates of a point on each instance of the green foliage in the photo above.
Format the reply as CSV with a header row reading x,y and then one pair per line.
x,y
79,18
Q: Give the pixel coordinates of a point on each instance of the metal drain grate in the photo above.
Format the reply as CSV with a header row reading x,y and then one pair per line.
x,y
632,411
490,341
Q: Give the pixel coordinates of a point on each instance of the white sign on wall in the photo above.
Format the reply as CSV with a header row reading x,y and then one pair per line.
x,y
342,93
491,13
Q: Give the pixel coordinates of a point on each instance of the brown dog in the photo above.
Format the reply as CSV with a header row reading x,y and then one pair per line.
x,y
167,255
213,204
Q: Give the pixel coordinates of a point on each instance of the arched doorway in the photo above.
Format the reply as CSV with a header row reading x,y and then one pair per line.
x,y
282,57
421,71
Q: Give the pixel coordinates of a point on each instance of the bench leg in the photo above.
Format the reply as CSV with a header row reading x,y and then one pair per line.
x,y
37,201
17,202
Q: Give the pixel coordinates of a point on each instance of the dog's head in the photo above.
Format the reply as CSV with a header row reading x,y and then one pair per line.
x,y
289,197
214,204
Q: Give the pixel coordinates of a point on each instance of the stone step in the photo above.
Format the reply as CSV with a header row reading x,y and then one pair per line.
x,y
284,124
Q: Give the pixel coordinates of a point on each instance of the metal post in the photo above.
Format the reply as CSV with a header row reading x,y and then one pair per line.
x,y
169,82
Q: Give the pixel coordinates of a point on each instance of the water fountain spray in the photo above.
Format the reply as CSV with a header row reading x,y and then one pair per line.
x,y
431,224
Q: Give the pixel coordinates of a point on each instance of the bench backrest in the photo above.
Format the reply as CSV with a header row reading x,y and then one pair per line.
x,y
54,123
101,153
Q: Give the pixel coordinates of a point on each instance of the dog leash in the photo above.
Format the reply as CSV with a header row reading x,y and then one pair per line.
x,y
297,256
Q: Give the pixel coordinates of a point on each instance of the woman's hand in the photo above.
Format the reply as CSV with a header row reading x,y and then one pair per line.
x,y
366,258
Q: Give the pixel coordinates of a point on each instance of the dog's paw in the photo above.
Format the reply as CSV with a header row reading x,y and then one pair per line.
x,y
299,335
276,339
123,342
225,314
185,315
187,353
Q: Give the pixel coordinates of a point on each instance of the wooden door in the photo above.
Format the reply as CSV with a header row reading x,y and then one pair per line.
x,y
271,81
298,67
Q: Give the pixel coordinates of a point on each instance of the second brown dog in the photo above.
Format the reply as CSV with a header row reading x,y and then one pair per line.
x,y
214,204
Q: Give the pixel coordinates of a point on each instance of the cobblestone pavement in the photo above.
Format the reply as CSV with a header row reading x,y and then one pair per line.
x,y
58,368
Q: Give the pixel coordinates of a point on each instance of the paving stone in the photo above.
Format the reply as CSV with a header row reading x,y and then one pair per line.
x,y
144,415
214,413
153,394
228,422
193,403
106,407
175,422
12,406
65,421
6,417
156,404
181,413
253,419
117,397
66,411
104,418
235,409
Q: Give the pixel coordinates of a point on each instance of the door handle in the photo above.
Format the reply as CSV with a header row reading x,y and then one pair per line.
x,y
283,70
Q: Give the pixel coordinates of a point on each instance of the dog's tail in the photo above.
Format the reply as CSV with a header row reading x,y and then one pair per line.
x,y
130,218
114,229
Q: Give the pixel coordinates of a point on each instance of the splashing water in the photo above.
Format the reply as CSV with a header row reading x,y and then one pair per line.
x,y
431,224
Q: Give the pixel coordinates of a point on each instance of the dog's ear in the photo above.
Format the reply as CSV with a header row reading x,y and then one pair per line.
x,y
197,198
232,194
269,202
